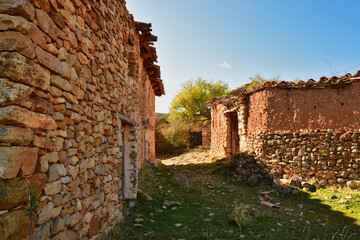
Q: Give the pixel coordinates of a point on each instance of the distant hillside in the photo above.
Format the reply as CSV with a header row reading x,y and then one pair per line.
x,y
162,115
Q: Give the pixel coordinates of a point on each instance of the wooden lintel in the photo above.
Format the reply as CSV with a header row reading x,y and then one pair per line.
x,y
148,37
125,120
140,26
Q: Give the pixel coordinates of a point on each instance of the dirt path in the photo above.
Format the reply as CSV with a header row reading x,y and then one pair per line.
x,y
194,197
193,157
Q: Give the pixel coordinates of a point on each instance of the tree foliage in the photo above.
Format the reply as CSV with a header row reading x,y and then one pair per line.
x,y
189,103
257,80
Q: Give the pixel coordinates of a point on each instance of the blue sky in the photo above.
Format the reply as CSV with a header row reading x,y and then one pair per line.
x,y
232,40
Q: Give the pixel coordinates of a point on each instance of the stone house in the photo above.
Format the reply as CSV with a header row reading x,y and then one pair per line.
x,y
309,129
78,82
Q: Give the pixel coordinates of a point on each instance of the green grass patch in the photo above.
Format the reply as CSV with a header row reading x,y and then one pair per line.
x,y
203,202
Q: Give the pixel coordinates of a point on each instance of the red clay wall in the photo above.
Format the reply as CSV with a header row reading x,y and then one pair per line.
x,y
312,133
294,109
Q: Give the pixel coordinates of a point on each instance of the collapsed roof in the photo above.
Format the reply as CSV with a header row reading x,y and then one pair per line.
x,y
148,54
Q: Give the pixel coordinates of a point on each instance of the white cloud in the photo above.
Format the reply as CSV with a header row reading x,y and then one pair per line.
x,y
224,65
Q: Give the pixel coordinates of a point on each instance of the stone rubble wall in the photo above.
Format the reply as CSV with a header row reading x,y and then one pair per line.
x,y
67,70
328,157
219,130
206,134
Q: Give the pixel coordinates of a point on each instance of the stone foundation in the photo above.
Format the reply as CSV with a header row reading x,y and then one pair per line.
x,y
328,157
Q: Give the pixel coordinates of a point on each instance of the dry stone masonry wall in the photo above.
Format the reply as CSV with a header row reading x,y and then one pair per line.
x,y
74,122
329,157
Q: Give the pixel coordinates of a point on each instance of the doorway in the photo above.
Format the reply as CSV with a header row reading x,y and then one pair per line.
x,y
235,139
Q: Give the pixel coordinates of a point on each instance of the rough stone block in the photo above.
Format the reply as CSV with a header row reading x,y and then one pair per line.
x,y
59,225
21,69
42,232
355,184
67,234
12,159
8,22
18,116
42,105
42,142
53,157
52,188
15,41
61,83
13,193
47,24
55,172
15,135
15,94
37,181
21,8
48,60
14,225
45,213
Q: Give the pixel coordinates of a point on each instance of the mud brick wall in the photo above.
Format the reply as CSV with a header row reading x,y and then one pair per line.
x,y
76,113
315,108
312,133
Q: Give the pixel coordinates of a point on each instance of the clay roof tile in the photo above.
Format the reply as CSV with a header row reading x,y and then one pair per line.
x,y
242,92
357,74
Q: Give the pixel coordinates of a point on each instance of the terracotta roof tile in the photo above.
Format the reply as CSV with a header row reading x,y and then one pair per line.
x,y
332,82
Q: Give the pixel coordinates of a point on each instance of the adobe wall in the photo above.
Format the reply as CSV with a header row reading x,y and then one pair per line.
x,y
311,133
293,109
72,109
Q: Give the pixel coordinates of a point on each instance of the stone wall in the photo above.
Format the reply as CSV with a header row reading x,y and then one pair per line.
x,y
329,157
206,134
219,130
312,133
76,115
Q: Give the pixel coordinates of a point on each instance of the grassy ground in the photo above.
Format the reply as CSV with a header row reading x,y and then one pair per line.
x,y
203,202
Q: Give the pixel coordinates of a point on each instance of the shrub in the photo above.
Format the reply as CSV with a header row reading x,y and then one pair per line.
x,y
171,138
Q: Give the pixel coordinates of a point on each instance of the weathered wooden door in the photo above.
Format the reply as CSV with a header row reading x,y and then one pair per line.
x,y
235,140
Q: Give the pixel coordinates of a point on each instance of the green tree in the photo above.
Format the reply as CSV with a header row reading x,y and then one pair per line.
x,y
189,104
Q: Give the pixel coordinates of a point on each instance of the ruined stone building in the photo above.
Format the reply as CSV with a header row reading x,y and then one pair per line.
x,y
77,113
309,129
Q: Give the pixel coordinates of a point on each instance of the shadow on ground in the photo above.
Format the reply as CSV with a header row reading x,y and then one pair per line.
x,y
202,201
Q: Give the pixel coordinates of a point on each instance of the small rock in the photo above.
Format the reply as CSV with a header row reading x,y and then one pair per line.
x,y
252,180
333,197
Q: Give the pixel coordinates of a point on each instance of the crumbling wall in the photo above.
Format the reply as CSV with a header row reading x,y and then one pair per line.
x,y
293,109
219,130
312,132
327,156
71,116
206,134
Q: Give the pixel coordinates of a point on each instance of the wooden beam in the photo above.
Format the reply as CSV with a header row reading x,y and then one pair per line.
x,y
140,26
148,37
125,120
